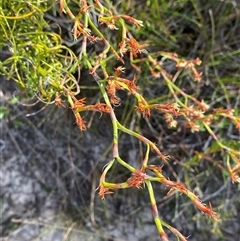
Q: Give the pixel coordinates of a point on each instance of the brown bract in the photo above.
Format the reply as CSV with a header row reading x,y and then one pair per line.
x,y
143,108
81,123
103,191
79,104
137,179
102,107
135,47
58,101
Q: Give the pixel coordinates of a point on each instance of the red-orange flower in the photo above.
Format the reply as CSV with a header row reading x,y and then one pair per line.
x,y
137,179
103,191
135,47
101,107
93,39
130,84
137,23
111,90
204,208
58,100
143,108
119,70
79,104
84,6
166,108
81,123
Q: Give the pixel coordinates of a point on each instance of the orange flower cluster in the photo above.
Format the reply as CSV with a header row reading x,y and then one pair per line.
x,y
137,23
84,7
190,64
234,171
81,123
78,104
133,46
138,178
104,190
116,83
109,21
234,174
185,64
229,114
143,107
58,100
112,87
168,108
101,107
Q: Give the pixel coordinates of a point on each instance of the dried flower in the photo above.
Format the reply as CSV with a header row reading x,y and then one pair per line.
x,y
228,112
137,23
111,90
170,121
171,108
109,21
237,121
135,47
79,104
81,123
203,106
138,178
130,83
119,70
93,39
196,75
58,101
193,126
101,107
143,108
84,6
103,191
203,207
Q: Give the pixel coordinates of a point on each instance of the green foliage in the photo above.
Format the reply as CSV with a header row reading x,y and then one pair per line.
x,y
39,62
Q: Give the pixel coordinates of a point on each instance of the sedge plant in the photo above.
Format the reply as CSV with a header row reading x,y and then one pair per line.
x,y
45,67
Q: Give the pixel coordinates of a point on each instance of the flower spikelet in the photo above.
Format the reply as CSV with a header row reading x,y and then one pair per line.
x,y
111,90
204,208
123,47
81,123
109,21
119,70
169,108
58,100
101,107
79,104
103,191
135,47
130,84
137,179
143,108
137,23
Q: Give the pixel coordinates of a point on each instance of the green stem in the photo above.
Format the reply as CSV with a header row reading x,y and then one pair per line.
x,y
123,163
218,142
113,117
157,220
